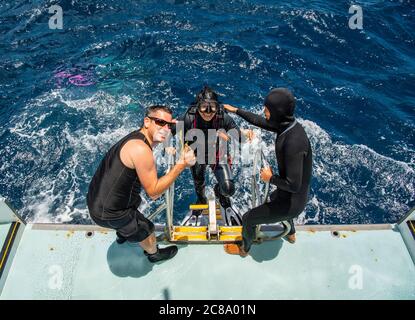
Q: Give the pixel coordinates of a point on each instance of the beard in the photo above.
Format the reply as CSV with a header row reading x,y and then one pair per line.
x,y
160,135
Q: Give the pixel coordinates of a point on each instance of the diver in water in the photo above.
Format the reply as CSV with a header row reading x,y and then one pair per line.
x,y
114,192
294,158
207,113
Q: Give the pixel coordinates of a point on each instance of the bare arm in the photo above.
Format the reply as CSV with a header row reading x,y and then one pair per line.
x,y
143,160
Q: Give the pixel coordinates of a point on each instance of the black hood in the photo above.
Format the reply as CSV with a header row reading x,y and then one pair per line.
x,y
281,104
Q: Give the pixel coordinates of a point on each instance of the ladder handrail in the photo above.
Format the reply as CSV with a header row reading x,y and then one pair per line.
x,y
156,212
256,199
259,156
169,197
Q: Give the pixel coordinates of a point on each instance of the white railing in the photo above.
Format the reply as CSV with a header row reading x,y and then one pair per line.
x,y
259,162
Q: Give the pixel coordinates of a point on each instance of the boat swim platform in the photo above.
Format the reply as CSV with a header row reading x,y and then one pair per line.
x,y
54,261
68,262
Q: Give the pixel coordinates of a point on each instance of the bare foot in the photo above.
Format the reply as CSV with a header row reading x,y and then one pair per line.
x,y
291,238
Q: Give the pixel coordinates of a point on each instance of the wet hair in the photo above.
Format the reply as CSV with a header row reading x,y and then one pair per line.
x,y
206,94
153,109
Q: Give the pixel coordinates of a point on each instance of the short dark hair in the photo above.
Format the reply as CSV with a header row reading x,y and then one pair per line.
x,y
155,108
206,93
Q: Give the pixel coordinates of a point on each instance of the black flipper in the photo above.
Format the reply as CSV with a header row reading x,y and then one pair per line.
x,y
232,217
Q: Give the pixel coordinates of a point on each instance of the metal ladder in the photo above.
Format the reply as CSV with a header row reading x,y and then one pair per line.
x,y
213,233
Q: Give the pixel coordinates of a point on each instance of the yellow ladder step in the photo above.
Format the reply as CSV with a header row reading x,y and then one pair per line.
x,y
202,207
206,212
200,233
189,237
190,229
193,229
198,206
230,237
236,229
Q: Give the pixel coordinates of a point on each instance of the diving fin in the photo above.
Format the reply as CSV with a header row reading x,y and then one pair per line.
x,y
231,217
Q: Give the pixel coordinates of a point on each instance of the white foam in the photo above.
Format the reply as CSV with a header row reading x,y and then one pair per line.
x,y
349,178
100,101
18,64
34,14
51,196
315,19
359,177
99,45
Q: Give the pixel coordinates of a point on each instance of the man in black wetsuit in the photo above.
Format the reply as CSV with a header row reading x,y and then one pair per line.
x,y
206,113
114,192
294,157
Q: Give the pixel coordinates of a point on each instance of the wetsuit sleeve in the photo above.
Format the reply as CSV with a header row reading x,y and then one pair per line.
x,y
294,158
256,120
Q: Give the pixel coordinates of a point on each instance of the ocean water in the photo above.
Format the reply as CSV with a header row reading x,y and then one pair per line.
x,y
67,95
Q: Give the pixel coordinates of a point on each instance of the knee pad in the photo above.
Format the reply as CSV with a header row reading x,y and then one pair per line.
x,y
227,188
245,219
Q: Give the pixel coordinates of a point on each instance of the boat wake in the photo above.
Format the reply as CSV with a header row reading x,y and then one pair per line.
x,y
48,160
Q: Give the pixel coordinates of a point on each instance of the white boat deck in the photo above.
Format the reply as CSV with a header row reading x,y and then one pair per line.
x,y
61,264
4,229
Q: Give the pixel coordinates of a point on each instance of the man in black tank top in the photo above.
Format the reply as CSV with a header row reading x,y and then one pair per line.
x,y
114,192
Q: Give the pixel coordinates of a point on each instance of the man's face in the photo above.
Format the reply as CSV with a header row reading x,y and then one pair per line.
x,y
267,114
157,125
207,116
208,109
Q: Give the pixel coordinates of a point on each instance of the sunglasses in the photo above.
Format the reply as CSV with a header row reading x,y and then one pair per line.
x,y
161,122
208,107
